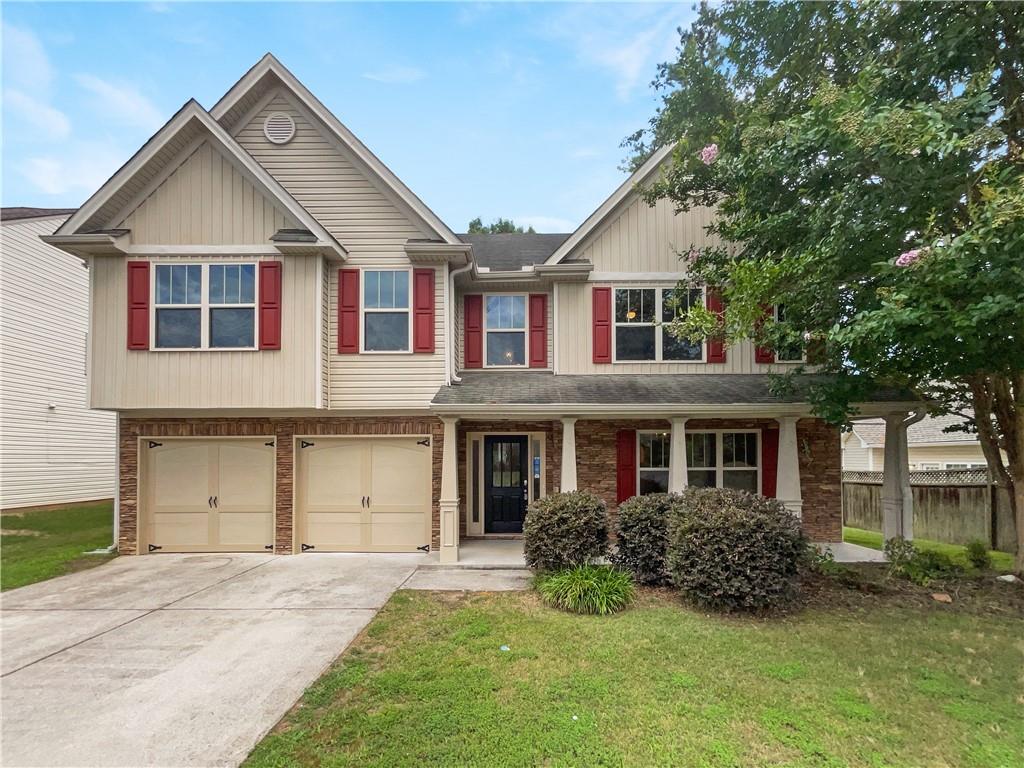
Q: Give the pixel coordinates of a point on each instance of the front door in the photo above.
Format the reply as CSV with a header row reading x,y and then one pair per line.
x,y
505,483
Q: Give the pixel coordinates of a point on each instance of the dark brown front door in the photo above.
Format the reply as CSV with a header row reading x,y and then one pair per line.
x,y
505,483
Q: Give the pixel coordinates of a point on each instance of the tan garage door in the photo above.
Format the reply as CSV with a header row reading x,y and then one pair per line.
x,y
364,494
208,495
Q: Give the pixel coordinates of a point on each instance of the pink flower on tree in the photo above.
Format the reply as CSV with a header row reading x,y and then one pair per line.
x,y
709,154
907,258
691,256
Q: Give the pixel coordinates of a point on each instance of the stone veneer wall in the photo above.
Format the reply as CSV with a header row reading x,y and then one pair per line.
x,y
282,430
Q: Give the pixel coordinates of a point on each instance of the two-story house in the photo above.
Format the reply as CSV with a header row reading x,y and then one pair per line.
x,y
302,355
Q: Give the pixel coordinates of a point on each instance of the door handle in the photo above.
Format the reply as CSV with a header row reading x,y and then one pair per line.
x,y
215,504
209,502
362,502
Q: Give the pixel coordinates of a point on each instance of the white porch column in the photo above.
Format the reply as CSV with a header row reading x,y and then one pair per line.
x,y
677,457
568,454
897,498
787,487
449,501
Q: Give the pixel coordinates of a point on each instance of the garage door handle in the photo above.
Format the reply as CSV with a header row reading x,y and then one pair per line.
x,y
209,502
215,501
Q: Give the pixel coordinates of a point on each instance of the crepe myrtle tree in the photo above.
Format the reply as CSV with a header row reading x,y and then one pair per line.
x,y
866,162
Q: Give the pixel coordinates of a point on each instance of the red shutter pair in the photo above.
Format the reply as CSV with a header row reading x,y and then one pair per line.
x,y
473,331
422,311
764,354
270,277
601,299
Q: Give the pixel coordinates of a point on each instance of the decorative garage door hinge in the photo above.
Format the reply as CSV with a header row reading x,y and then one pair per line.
x,y
307,547
269,443
154,547
154,444
269,546
424,441
305,444
424,548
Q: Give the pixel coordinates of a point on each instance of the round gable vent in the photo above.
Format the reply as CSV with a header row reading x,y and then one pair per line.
x,y
279,128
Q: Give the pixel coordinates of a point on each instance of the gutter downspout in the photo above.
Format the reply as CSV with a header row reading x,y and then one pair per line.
x,y
117,479
450,321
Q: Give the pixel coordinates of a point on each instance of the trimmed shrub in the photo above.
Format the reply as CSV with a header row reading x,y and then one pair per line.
x,y
595,589
735,551
642,536
564,530
978,556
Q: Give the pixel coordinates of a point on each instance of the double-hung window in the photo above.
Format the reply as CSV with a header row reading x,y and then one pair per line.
x,y
505,330
386,316
640,314
723,460
652,463
204,306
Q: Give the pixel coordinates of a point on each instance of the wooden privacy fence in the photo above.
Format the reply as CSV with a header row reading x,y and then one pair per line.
x,y
953,506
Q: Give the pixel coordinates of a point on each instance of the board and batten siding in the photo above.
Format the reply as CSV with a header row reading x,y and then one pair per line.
x,y
285,378
206,201
64,453
374,226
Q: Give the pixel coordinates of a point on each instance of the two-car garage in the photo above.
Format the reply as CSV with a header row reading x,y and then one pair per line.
x,y
351,494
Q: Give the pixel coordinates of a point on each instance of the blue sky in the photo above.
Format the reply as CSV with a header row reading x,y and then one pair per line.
x,y
489,110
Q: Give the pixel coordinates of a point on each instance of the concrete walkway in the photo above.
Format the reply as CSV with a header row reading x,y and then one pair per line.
x,y
176,660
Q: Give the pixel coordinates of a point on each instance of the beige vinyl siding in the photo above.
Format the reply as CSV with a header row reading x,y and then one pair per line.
x,y
941,455
400,380
126,379
856,456
574,347
460,310
66,453
374,226
326,270
206,201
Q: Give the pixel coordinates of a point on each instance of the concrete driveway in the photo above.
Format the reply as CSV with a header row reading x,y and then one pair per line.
x,y
176,660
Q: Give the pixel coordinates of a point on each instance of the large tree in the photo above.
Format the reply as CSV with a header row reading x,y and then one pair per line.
x,y
499,226
866,161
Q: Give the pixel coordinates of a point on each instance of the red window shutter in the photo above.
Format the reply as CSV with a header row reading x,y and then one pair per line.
x,y
270,305
423,310
138,305
348,311
538,330
473,320
625,465
602,301
764,354
769,461
716,347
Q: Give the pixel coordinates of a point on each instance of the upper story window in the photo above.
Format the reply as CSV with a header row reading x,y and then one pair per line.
x,y
505,330
639,331
204,306
386,315
793,353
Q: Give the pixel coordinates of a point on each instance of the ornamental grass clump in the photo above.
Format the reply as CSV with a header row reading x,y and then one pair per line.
x,y
589,589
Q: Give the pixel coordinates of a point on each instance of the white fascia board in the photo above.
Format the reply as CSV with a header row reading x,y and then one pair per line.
x,y
597,217
270,64
251,169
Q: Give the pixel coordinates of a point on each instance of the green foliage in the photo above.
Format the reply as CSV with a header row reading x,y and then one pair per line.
x,y
642,536
595,589
498,227
977,554
735,551
898,551
919,566
564,530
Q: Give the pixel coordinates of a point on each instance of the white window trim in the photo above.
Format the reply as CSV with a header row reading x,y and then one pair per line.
x,y
363,310
659,432
658,324
803,347
964,465
720,468
525,331
204,306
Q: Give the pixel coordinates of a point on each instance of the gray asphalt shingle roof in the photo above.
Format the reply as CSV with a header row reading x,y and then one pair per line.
x,y
21,212
929,430
536,388
511,252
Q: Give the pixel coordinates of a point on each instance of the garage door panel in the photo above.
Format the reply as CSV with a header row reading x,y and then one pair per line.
x,y
181,529
334,476
245,477
180,477
335,530
400,477
245,530
398,530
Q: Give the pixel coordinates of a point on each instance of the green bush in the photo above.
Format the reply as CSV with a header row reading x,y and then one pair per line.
x,y
927,565
735,551
898,552
595,589
564,530
642,536
978,556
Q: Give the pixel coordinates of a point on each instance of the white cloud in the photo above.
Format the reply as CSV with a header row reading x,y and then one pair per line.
x,y
122,102
26,64
396,74
51,122
545,223
83,167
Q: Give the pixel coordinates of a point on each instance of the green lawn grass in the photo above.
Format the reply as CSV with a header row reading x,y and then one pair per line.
x,y
660,685
1001,561
49,542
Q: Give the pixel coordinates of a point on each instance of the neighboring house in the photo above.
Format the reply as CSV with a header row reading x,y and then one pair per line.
x,y
304,356
53,449
929,446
